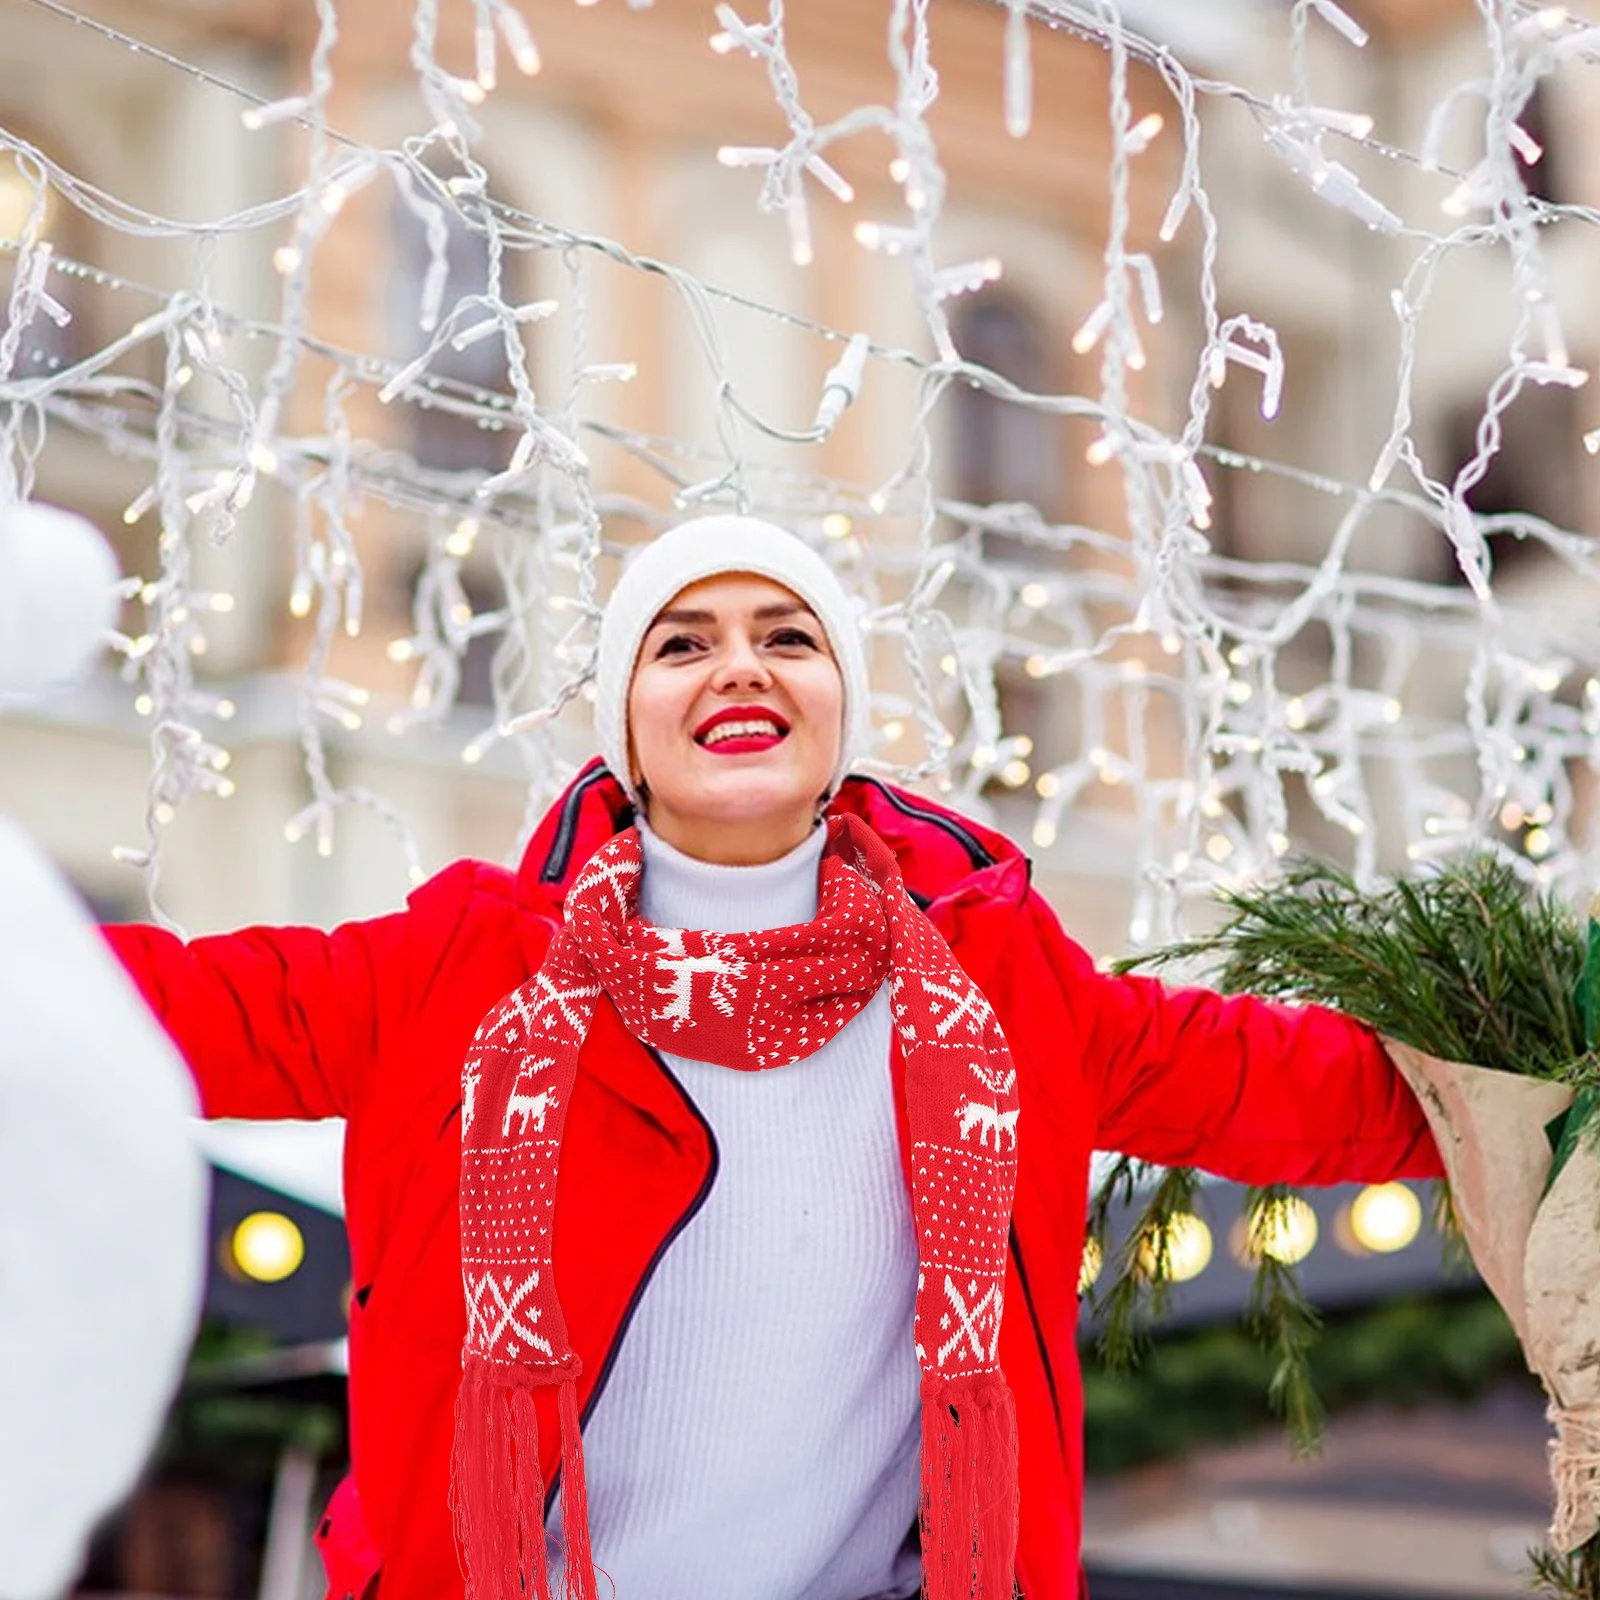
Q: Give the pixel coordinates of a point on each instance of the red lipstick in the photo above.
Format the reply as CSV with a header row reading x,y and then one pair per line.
x,y
764,729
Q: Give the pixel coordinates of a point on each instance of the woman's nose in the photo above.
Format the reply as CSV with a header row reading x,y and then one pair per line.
x,y
741,663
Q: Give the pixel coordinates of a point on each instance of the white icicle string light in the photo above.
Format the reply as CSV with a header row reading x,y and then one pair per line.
x,y
1155,620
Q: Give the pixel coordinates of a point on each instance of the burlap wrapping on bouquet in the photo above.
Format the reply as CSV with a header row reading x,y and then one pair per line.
x,y
1539,1253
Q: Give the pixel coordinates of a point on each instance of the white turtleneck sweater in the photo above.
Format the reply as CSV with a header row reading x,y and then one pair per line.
x,y
758,1436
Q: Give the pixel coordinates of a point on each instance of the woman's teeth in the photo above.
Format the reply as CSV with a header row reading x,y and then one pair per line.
x,y
743,730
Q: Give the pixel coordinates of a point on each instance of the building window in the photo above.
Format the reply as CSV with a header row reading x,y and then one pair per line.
x,y
440,438
1002,451
1535,471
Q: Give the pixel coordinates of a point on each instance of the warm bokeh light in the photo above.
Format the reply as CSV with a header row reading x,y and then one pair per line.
x,y
1089,1268
1385,1217
1285,1230
267,1246
1188,1250
16,200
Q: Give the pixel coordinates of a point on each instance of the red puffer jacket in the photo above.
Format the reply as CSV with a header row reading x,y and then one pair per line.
x,y
371,1022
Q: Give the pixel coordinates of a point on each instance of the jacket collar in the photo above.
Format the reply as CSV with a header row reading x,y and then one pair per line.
x,y
944,857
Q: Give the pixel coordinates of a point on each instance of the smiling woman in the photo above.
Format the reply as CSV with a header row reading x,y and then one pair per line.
x,y
765,1170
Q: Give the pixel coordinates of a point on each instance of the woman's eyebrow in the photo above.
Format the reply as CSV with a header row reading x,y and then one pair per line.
x,y
781,608
697,617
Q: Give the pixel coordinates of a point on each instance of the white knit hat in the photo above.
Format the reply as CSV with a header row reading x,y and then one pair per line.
x,y
705,548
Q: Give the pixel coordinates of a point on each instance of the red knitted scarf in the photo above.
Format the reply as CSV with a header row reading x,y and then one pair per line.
x,y
749,1001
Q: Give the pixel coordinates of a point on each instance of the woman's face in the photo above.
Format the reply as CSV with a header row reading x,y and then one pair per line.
x,y
735,716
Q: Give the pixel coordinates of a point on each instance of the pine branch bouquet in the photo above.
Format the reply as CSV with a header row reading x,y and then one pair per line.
x,y
1488,998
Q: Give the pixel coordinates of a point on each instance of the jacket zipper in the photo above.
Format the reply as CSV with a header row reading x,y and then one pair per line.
x,y
688,1216
555,864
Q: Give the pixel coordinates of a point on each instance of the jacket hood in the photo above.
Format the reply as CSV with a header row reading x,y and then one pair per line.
x,y
942,854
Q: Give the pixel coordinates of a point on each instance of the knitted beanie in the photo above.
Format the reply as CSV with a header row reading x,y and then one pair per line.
x,y
705,548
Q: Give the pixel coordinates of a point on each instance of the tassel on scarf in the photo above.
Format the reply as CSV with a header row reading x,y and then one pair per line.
x,y
580,1579
969,1507
497,1491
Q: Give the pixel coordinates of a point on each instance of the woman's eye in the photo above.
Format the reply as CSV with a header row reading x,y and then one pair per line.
x,y
675,645
794,637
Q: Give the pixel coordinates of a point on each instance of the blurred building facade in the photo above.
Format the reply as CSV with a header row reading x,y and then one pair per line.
x,y
617,136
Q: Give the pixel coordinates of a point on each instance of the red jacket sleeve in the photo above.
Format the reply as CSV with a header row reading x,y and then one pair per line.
x,y
1249,1089
284,1022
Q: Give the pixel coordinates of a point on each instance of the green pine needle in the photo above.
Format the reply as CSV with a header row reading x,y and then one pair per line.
x,y
1465,964
1575,1576
1285,1323
1142,1280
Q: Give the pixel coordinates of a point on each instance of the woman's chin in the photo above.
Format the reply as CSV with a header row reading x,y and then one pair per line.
x,y
746,794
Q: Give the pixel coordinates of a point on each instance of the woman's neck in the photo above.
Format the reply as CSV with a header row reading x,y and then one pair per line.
x,y
679,891
733,843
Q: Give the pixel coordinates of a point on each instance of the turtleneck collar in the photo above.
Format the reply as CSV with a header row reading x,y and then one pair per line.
x,y
679,891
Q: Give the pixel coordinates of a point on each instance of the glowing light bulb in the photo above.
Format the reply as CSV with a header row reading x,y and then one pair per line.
x,y
1090,1267
1182,1252
1282,1230
266,1246
462,538
1385,1217
1143,131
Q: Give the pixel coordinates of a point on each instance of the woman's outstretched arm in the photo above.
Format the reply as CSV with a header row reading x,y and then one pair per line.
x,y
286,1021
1249,1089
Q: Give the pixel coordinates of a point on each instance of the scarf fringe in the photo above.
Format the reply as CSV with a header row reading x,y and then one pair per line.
x,y
580,1579
497,1493
969,1510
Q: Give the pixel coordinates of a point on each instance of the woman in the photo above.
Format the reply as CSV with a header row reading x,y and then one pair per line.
x,y
752,1265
